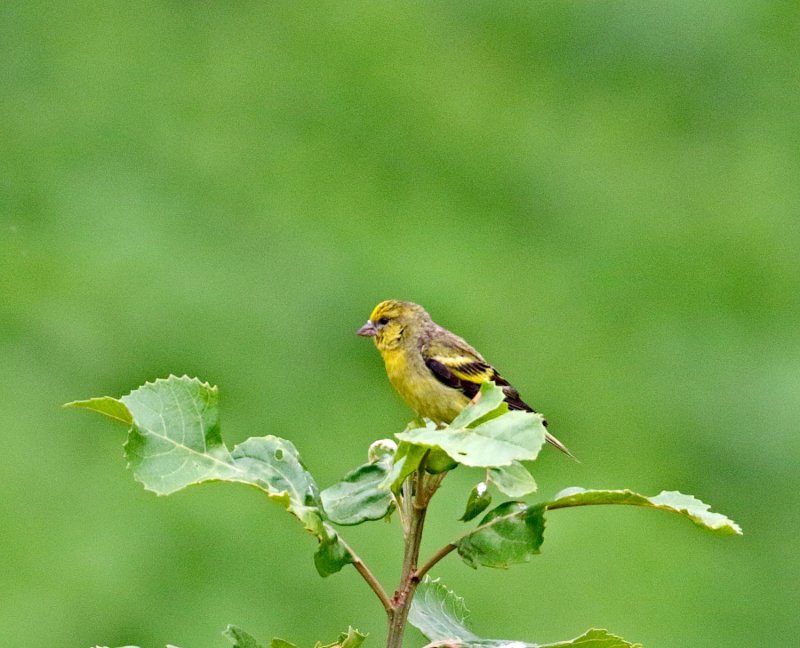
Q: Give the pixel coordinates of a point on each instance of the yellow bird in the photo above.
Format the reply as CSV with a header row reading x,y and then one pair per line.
x,y
436,372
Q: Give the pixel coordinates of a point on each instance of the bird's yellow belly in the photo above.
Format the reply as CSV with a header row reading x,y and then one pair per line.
x,y
420,389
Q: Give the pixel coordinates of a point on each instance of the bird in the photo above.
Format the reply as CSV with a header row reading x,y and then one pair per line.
x,y
436,372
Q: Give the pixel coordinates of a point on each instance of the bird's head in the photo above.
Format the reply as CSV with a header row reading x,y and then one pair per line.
x,y
392,321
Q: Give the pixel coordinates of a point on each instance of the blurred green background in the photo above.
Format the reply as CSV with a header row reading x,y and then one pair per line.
x,y
602,197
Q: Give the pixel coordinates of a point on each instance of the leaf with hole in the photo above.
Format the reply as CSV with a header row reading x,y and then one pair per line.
x,y
174,441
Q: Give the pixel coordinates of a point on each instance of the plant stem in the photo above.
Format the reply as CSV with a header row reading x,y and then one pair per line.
x,y
418,489
415,508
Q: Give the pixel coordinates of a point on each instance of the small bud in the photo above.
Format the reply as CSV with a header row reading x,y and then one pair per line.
x,y
380,449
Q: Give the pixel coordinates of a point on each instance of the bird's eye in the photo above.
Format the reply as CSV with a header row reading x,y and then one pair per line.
x,y
383,321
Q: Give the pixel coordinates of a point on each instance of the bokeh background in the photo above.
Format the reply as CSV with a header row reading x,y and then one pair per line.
x,y
602,197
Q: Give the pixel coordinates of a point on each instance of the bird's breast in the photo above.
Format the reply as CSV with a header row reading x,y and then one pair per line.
x,y
398,369
419,388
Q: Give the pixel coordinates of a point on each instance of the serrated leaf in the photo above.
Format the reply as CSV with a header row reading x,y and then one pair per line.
x,y
359,497
438,613
478,501
175,438
513,480
441,615
512,436
273,465
589,639
239,638
174,442
510,533
687,505
513,532
594,638
350,639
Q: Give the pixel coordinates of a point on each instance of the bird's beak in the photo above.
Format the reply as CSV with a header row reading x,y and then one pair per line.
x,y
368,330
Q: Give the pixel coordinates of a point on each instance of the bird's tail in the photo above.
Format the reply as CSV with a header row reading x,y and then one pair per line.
x,y
553,441
516,403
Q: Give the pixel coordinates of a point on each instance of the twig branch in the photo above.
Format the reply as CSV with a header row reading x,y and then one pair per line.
x,y
420,573
417,507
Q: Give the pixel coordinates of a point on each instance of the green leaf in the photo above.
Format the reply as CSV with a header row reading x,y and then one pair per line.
x,y
281,643
484,434
174,441
589,639
477,502
353,639
509,534
382,448
107,406
406,461
273,465
513,480
360,495
350,639
491,398
687,505
175,438
438,613
594,638
513,532
239,638
438,462
332,554
499,441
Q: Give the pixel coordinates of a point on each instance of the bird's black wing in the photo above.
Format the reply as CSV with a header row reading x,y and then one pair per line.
x,y
466,372
451,378
458,365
